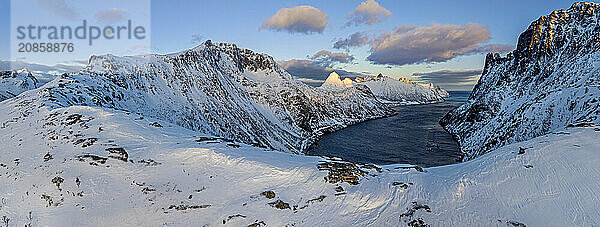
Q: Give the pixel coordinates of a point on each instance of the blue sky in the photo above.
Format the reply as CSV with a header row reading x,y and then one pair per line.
x,y
179,25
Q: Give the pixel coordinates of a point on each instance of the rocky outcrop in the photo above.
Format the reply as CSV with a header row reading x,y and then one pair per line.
x,y
550,81
13,83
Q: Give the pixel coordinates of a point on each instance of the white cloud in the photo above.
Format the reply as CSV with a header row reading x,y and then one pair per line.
x,y
328,58
300,19
369,12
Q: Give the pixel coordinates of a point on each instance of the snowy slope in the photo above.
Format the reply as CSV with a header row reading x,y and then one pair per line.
x,y
394,90
115,145
13,83
216,89
550,81
85,165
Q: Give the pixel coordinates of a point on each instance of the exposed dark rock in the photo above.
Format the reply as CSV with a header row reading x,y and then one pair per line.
x,y
85,142
118,153
257,224
95,158
341,172
149,162
232,217
400,184
417,223
234,145
581,125
280,205
268,194
188,207
156,124
410,212
73,119
318,199
57,181
146,190
47,157
515,223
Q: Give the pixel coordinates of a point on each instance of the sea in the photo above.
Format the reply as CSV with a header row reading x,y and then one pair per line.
x,y
412,136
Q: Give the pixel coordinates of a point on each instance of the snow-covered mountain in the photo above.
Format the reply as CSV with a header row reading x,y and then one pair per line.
x,y
390,90
436,89
15,82
393,90
101,148
334,81
216,89
551,81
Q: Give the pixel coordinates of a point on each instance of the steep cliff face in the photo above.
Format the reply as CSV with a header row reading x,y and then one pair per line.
x,y
217,89
551,81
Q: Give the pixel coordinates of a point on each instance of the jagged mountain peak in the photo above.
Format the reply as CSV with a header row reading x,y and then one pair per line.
x,y
550,81
15,82
574,28
243,63
24,70
334,80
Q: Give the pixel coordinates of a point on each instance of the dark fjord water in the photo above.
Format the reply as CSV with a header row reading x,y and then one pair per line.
x,y
413,136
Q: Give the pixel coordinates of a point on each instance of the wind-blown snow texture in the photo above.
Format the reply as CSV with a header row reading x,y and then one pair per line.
x,y
216,89
550,81
96,166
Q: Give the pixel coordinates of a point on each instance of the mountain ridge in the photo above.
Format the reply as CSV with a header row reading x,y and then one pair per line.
x,y
389,90
217,89
15,82
551,80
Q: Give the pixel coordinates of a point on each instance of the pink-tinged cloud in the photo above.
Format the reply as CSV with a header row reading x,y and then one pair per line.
x,y
435,43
